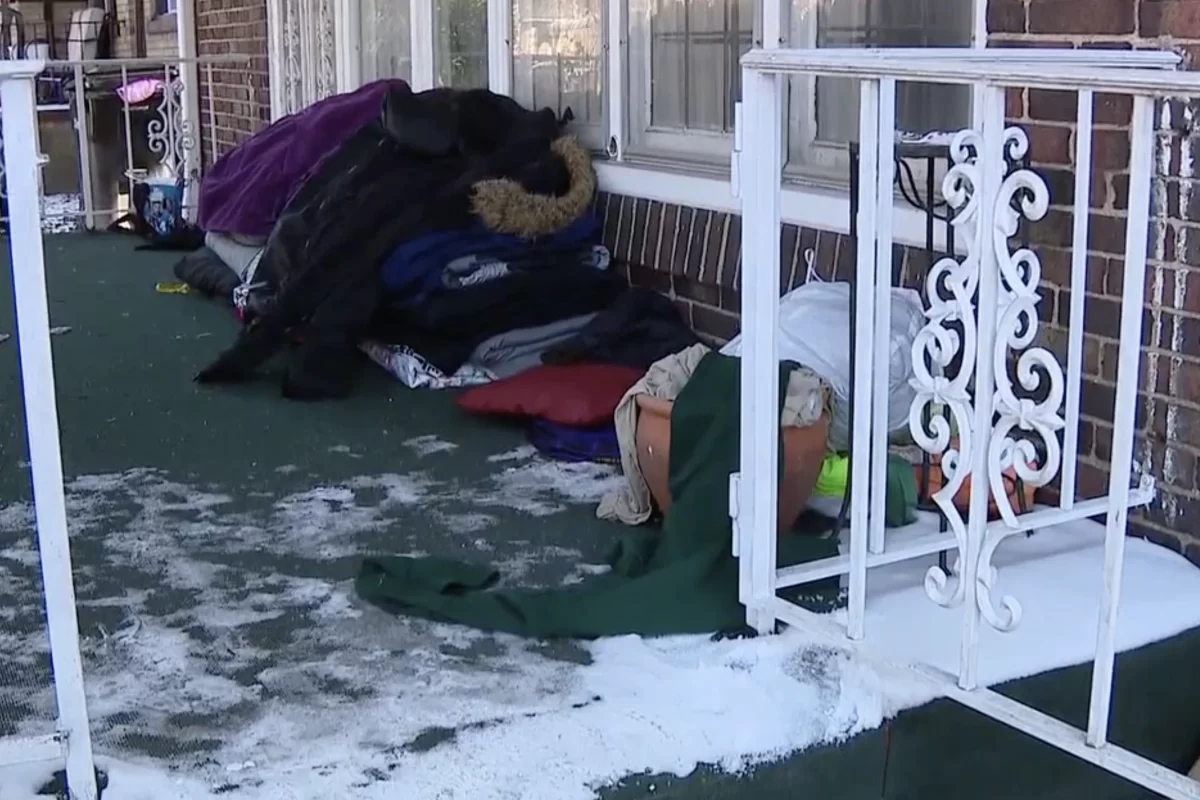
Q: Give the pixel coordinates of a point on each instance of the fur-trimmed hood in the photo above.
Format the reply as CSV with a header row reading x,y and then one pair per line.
x,y
505,206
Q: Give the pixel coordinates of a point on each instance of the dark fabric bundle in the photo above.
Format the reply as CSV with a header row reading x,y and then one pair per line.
x,y
640,328
438,160
449,325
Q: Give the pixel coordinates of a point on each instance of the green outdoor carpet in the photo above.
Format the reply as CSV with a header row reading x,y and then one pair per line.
x,y
140,439
682,580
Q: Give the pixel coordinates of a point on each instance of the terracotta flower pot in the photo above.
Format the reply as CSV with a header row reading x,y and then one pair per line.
x,y
803,451
1014,488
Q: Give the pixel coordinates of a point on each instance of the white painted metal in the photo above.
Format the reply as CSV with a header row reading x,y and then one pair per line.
x,y
867,227
189,105
1007,395
83,142
499,46
939,66
884,175
1137,231
421,36
929,541
172,135
32,749
973,451
347,14
1079,257
762,96
19,116
616,45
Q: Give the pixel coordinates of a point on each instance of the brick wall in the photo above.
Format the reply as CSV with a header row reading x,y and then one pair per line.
x,y
693,255
240,96
1168,424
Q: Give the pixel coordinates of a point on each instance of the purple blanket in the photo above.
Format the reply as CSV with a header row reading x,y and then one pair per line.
x,y
247,189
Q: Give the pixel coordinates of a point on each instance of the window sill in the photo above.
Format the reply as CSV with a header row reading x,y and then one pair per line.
x,y
807,206
163,23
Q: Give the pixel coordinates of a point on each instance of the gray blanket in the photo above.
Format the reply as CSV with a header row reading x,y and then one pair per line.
x,y
508,353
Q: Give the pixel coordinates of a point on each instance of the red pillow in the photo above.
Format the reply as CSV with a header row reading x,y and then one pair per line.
x,y
578,395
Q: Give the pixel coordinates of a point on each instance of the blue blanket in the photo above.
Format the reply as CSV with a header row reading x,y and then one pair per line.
x,y
415,268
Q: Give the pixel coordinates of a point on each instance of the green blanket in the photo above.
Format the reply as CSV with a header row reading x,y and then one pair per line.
x,y
680,580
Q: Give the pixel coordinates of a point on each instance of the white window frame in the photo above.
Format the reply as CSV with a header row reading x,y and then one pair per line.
x,y
808,199
645,142
501,58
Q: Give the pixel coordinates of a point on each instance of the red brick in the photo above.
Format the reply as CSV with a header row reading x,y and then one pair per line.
x,y
1113,109
1187,379
1179,19
1103,17
1049,144
1014,103
1006,16
1110,149
241,97
1052,106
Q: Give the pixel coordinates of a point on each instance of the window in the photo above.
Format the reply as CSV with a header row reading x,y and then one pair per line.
x,y
823,113
684,75
164,7
672,100
460,47
386,40
557,61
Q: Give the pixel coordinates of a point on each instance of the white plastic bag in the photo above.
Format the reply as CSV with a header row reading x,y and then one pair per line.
x,y
815,329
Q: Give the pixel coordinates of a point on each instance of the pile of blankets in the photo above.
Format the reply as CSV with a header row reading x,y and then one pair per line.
x,y
448,235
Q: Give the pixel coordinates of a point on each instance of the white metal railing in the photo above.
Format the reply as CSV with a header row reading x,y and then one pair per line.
x,y
982,315
71,742
122,139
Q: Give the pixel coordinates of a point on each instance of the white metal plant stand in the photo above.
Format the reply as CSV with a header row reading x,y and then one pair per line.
x,y
71,742
1008,398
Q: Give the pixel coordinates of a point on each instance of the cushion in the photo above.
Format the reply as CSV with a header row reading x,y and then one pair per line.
x,y
579,395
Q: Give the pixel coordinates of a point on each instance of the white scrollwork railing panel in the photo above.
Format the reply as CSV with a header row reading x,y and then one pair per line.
x,y
170,136
1029,387
943,357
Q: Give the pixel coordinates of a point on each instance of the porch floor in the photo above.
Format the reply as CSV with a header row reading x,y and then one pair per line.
x,y
215,533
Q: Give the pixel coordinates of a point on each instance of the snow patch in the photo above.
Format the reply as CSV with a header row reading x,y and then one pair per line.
x,y
202,623
429,445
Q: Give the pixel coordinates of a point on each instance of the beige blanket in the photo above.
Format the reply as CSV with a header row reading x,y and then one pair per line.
x,y
805,401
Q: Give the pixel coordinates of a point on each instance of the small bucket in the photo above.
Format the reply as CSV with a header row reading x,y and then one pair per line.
x,y
161,205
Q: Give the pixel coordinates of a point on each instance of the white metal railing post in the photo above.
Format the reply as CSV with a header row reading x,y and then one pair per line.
x,y
991,164
760,179
882,282
1137,231
19,113
83,139
982,312
1079,257
866,233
